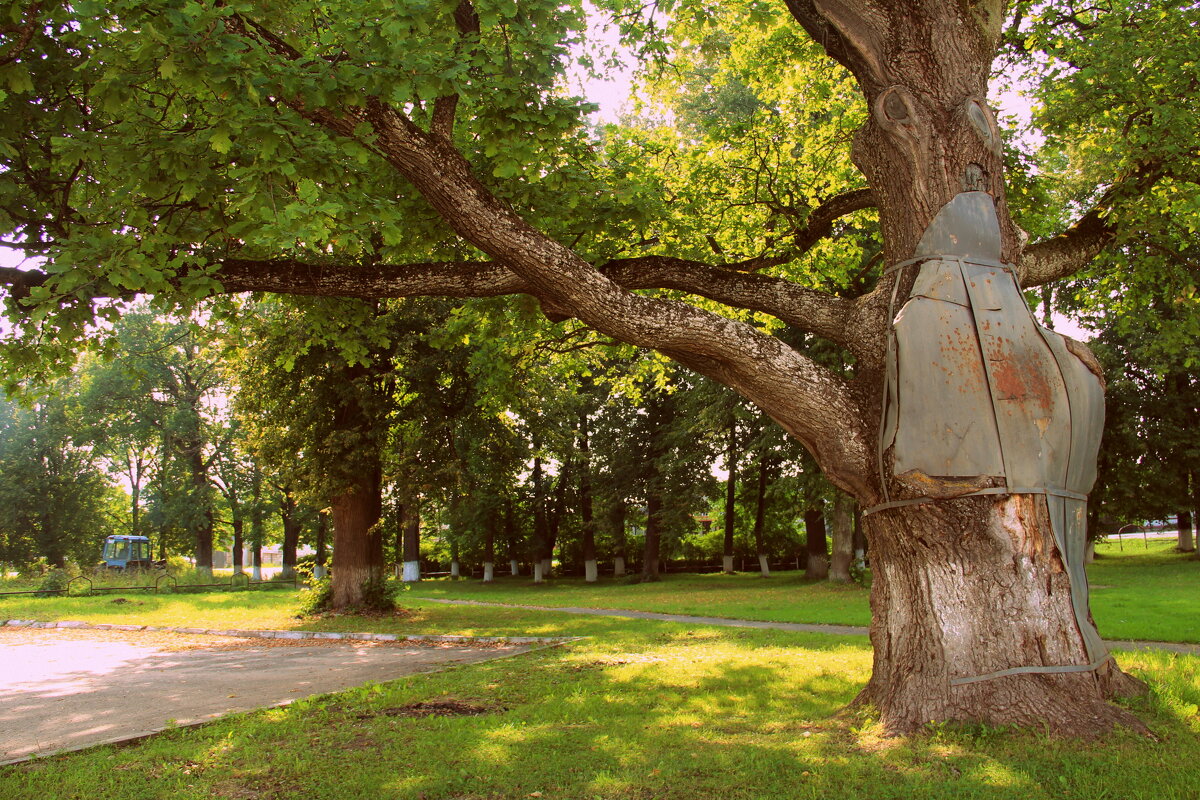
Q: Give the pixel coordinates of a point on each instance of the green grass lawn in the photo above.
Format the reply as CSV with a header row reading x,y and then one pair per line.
x,y
640,709
1138,593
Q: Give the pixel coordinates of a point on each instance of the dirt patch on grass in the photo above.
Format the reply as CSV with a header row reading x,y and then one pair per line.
x,y
436,708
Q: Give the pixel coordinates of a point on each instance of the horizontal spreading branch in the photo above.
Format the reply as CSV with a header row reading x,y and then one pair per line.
x,y
1072,250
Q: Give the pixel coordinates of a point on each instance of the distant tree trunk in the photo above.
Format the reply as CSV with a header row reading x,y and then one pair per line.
x,y
617,523
489,547
843,539
860,540
510,536
322,554
239,526
541,526
590,571
760,513
411,523
730,499
357,538
204,525
653,533
1183,528
291,532
817,567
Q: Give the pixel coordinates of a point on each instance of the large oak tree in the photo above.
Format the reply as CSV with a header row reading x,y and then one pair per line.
x,y
376,149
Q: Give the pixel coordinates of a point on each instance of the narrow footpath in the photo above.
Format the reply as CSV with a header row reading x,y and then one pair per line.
x,y
836,630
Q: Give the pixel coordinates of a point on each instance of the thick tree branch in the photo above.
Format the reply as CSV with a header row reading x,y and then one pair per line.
x,y
819,222
1067,253
1072,250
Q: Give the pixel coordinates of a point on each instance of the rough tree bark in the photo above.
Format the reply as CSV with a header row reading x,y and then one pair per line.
x,y
357,537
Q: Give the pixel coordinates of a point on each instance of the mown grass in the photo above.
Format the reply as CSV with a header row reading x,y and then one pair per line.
x,y
640,709
1138,593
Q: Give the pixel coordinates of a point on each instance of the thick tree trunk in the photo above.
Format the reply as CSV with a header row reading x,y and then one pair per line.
x,y
817,565
357,540
965,591
843,539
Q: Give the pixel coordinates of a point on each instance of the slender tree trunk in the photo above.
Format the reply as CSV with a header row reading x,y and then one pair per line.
x,y
357,539
489,547
817,566
1183,529
860,539
617,522
650,556
760,513
291,533
510,536
541,526
590,570
731,455
238,544
412,542
843,539
319,569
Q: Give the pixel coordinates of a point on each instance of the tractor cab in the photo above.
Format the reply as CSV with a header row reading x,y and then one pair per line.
x,y
127,552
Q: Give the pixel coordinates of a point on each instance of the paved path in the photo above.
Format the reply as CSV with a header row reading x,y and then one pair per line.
x,y
65,690
837,630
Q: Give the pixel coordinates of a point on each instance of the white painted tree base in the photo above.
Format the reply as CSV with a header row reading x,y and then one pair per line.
x,y
590,571
454,570
764,567
618,567
537,573
319,571
412,572
515,567
727,563
489,572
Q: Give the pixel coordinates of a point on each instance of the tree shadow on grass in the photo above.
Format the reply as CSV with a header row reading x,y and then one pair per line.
x,y
667,713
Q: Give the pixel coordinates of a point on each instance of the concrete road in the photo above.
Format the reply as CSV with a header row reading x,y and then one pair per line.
x,y
65,690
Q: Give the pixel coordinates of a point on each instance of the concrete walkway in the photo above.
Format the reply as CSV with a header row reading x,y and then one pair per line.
x,y
836,630
71,689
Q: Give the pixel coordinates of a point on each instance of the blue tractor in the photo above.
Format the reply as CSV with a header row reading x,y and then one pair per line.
x,y
127,552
